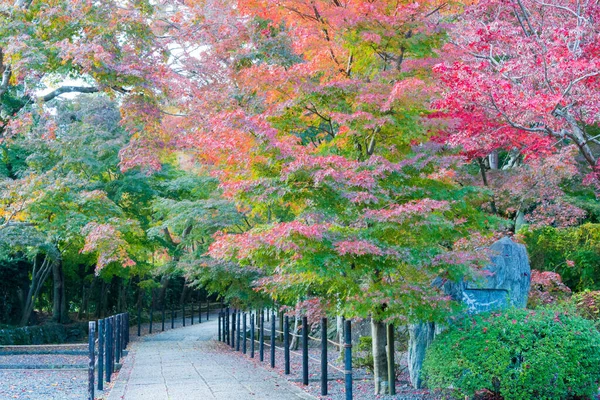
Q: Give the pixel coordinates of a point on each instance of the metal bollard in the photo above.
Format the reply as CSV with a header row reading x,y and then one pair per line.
x,y
304,351
92,358
390,357
100,354
126,329
207,309
109,341
163,317
239,335
118,338
192,316
323,356
151,316
227,325
348,359
251,336
273,340
199,311
244,334
183,313
261,337
286,344
233,315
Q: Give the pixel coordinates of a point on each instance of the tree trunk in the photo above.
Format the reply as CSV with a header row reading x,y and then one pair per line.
x,y
339,324
493,159
101,305
184,292
39,274
294,342
380,367
164,284
59,302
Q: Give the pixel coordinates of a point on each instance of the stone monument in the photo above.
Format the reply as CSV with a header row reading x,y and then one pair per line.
x,y
507,285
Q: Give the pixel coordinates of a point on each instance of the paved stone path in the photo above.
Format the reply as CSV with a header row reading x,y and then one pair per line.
x,y
189,364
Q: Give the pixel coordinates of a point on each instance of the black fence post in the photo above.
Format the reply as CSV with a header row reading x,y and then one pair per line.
x,y
273,335
92,360
199,310
114,343
233,315
139,320
123,338
391,361
108,360
244,334
183,313
251,335
323,356
304,351
261,337
223,323
286,344
118,338
126,329
101,354
237,328
172,315
207,308
348,358
227,325
192,316
163,316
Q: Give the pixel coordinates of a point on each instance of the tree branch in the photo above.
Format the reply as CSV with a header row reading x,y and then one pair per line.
x,y
68,89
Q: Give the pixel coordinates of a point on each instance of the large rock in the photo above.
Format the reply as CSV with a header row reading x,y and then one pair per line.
x,y
506,285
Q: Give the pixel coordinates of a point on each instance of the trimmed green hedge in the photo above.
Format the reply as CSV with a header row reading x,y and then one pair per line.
x,y
44,334
518,354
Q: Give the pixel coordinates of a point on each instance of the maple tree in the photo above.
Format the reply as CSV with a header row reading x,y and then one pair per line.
x,y
523,76
316,139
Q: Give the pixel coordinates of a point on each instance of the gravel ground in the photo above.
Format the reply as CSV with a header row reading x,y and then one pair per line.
x,y
43,384
44,359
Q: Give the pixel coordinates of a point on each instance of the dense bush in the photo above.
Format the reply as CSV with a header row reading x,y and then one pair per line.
x,y
587,304
546,288
573,252
519,354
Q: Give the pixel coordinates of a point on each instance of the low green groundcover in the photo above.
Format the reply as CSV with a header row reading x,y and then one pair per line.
x,y
517,354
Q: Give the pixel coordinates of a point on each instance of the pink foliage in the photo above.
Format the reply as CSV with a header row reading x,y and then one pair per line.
x,y
401,212
107,243
522,75
357,248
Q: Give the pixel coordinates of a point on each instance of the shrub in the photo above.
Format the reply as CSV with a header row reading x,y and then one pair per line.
x,y
518,354
364,353
546,288
572,252
587,304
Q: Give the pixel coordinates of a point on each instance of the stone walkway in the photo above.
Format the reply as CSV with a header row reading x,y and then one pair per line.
x,y
189,364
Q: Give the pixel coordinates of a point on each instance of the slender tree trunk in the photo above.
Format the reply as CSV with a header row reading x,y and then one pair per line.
x,y
184,292
339,324
101,306
59,301
164,284
380,367
41,271
493,159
